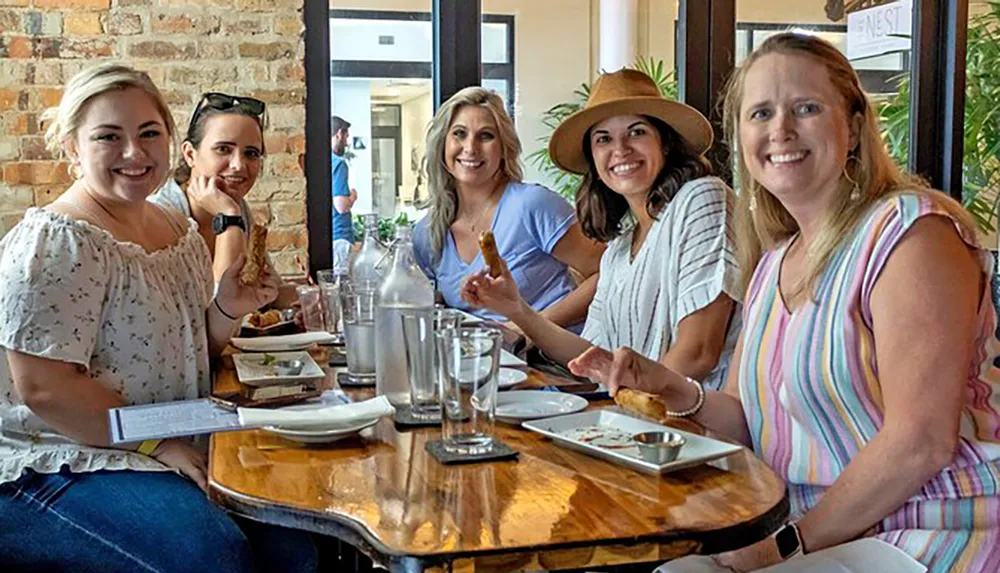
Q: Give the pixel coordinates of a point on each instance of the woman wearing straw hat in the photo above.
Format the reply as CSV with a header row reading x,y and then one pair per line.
x,y
668,279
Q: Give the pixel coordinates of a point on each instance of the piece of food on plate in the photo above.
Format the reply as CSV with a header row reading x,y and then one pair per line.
x,y
256,253
641,402
488,245
264,319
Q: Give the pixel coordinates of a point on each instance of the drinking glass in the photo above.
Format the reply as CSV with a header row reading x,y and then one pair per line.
x,y
470,363
422,357
329,284
311,302
357,306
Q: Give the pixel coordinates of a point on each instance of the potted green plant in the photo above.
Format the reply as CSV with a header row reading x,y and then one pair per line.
x,y
981,161
563,182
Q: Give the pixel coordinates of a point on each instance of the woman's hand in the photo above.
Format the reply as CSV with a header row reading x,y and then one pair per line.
x,y
182,457
237,299
625,368
762,554
207,193
499,295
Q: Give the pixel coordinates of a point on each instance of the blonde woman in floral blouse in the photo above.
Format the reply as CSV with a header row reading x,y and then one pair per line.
x,y
106,299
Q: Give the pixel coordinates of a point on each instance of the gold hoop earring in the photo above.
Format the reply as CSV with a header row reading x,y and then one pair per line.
x,y
855,188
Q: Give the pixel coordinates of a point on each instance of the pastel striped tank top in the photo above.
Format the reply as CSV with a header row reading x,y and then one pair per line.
x,y
812,397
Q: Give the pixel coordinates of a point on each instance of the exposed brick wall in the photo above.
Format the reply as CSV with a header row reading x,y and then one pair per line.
x,y
251,47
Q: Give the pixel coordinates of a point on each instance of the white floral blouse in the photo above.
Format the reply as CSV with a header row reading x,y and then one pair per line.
x,y
70,291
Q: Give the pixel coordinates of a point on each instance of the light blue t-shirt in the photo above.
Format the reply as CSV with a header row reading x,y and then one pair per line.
x,y
528,223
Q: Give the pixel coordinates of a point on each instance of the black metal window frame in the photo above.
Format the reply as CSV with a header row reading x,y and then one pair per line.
x,y
422,70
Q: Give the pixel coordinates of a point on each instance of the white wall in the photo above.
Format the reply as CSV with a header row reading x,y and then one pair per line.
x,y
351,100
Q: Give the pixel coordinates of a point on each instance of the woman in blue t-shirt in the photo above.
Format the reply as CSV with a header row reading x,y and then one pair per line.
x,y
474,182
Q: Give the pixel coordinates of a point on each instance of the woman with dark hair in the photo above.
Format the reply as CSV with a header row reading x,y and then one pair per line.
x,y
221,158
668,280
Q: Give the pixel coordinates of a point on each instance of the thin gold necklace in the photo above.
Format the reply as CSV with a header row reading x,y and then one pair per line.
x,y
489,203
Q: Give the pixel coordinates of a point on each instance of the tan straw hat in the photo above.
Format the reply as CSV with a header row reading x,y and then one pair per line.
x,y
625,92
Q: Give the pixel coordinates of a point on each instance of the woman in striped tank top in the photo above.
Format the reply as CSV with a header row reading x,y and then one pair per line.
x,y
668,279
864,374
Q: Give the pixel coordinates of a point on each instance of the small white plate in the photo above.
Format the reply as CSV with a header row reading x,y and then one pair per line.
x,y
509,377
251,370
322,434
506,377
517,406
617,448
283,343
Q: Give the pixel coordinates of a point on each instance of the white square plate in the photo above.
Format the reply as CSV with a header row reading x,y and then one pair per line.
x,y
251,370
697,450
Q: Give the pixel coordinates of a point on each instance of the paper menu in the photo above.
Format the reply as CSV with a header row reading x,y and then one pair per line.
x,y
182,418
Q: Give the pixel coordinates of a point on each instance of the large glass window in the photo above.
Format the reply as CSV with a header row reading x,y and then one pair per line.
x,y
381,83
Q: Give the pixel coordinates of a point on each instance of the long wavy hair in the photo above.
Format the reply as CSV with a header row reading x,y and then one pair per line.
x,y
442,197
602,212
770,224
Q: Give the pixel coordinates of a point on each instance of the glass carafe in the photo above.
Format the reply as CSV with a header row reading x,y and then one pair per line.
x,y
404,345
364,267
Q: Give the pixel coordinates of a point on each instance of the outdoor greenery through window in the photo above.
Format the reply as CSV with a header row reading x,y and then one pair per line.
x,y
981,162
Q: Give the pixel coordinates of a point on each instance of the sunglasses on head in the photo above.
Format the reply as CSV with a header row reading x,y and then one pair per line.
x,y
223,102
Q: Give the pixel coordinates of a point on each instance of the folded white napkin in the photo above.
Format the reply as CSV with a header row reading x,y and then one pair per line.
x,y
321,416
277,343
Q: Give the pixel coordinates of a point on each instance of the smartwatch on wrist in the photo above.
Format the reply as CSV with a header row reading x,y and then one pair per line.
x,y
221,222
789,541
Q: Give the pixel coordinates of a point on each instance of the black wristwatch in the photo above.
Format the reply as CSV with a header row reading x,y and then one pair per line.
x,y
789,541
221,222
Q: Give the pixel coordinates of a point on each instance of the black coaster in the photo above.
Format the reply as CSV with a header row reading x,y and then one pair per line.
x,y
500,451
337,358
404,418
346,381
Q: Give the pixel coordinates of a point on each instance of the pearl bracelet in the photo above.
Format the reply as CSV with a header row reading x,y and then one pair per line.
x,y
697,404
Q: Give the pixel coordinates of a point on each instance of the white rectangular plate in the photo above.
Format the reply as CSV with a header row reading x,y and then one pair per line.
x,y
251,371
697,450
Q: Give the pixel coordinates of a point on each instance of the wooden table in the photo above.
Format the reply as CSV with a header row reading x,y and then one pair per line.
x,y
551,509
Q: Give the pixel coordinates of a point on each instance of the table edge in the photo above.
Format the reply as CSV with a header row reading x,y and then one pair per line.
x,y
356,533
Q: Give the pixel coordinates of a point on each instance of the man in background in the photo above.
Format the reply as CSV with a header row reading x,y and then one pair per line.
x,y
343,195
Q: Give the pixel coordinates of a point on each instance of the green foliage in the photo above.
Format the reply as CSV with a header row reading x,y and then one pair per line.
x,y
563,182
386,226
981,161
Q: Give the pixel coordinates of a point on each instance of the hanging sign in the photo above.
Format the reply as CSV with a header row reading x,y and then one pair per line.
x,y
880,30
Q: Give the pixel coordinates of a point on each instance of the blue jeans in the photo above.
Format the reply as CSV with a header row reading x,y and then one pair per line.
x,y
110,521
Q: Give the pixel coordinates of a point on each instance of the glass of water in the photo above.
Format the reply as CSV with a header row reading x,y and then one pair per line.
x,y
469,366
311,302
357,307
329,285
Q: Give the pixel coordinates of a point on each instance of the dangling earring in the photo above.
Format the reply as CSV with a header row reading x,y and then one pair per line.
x,y
753,200
74,170
855,195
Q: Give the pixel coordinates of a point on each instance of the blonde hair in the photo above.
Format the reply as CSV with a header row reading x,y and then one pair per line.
x,y
442,196
877,177
64,120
